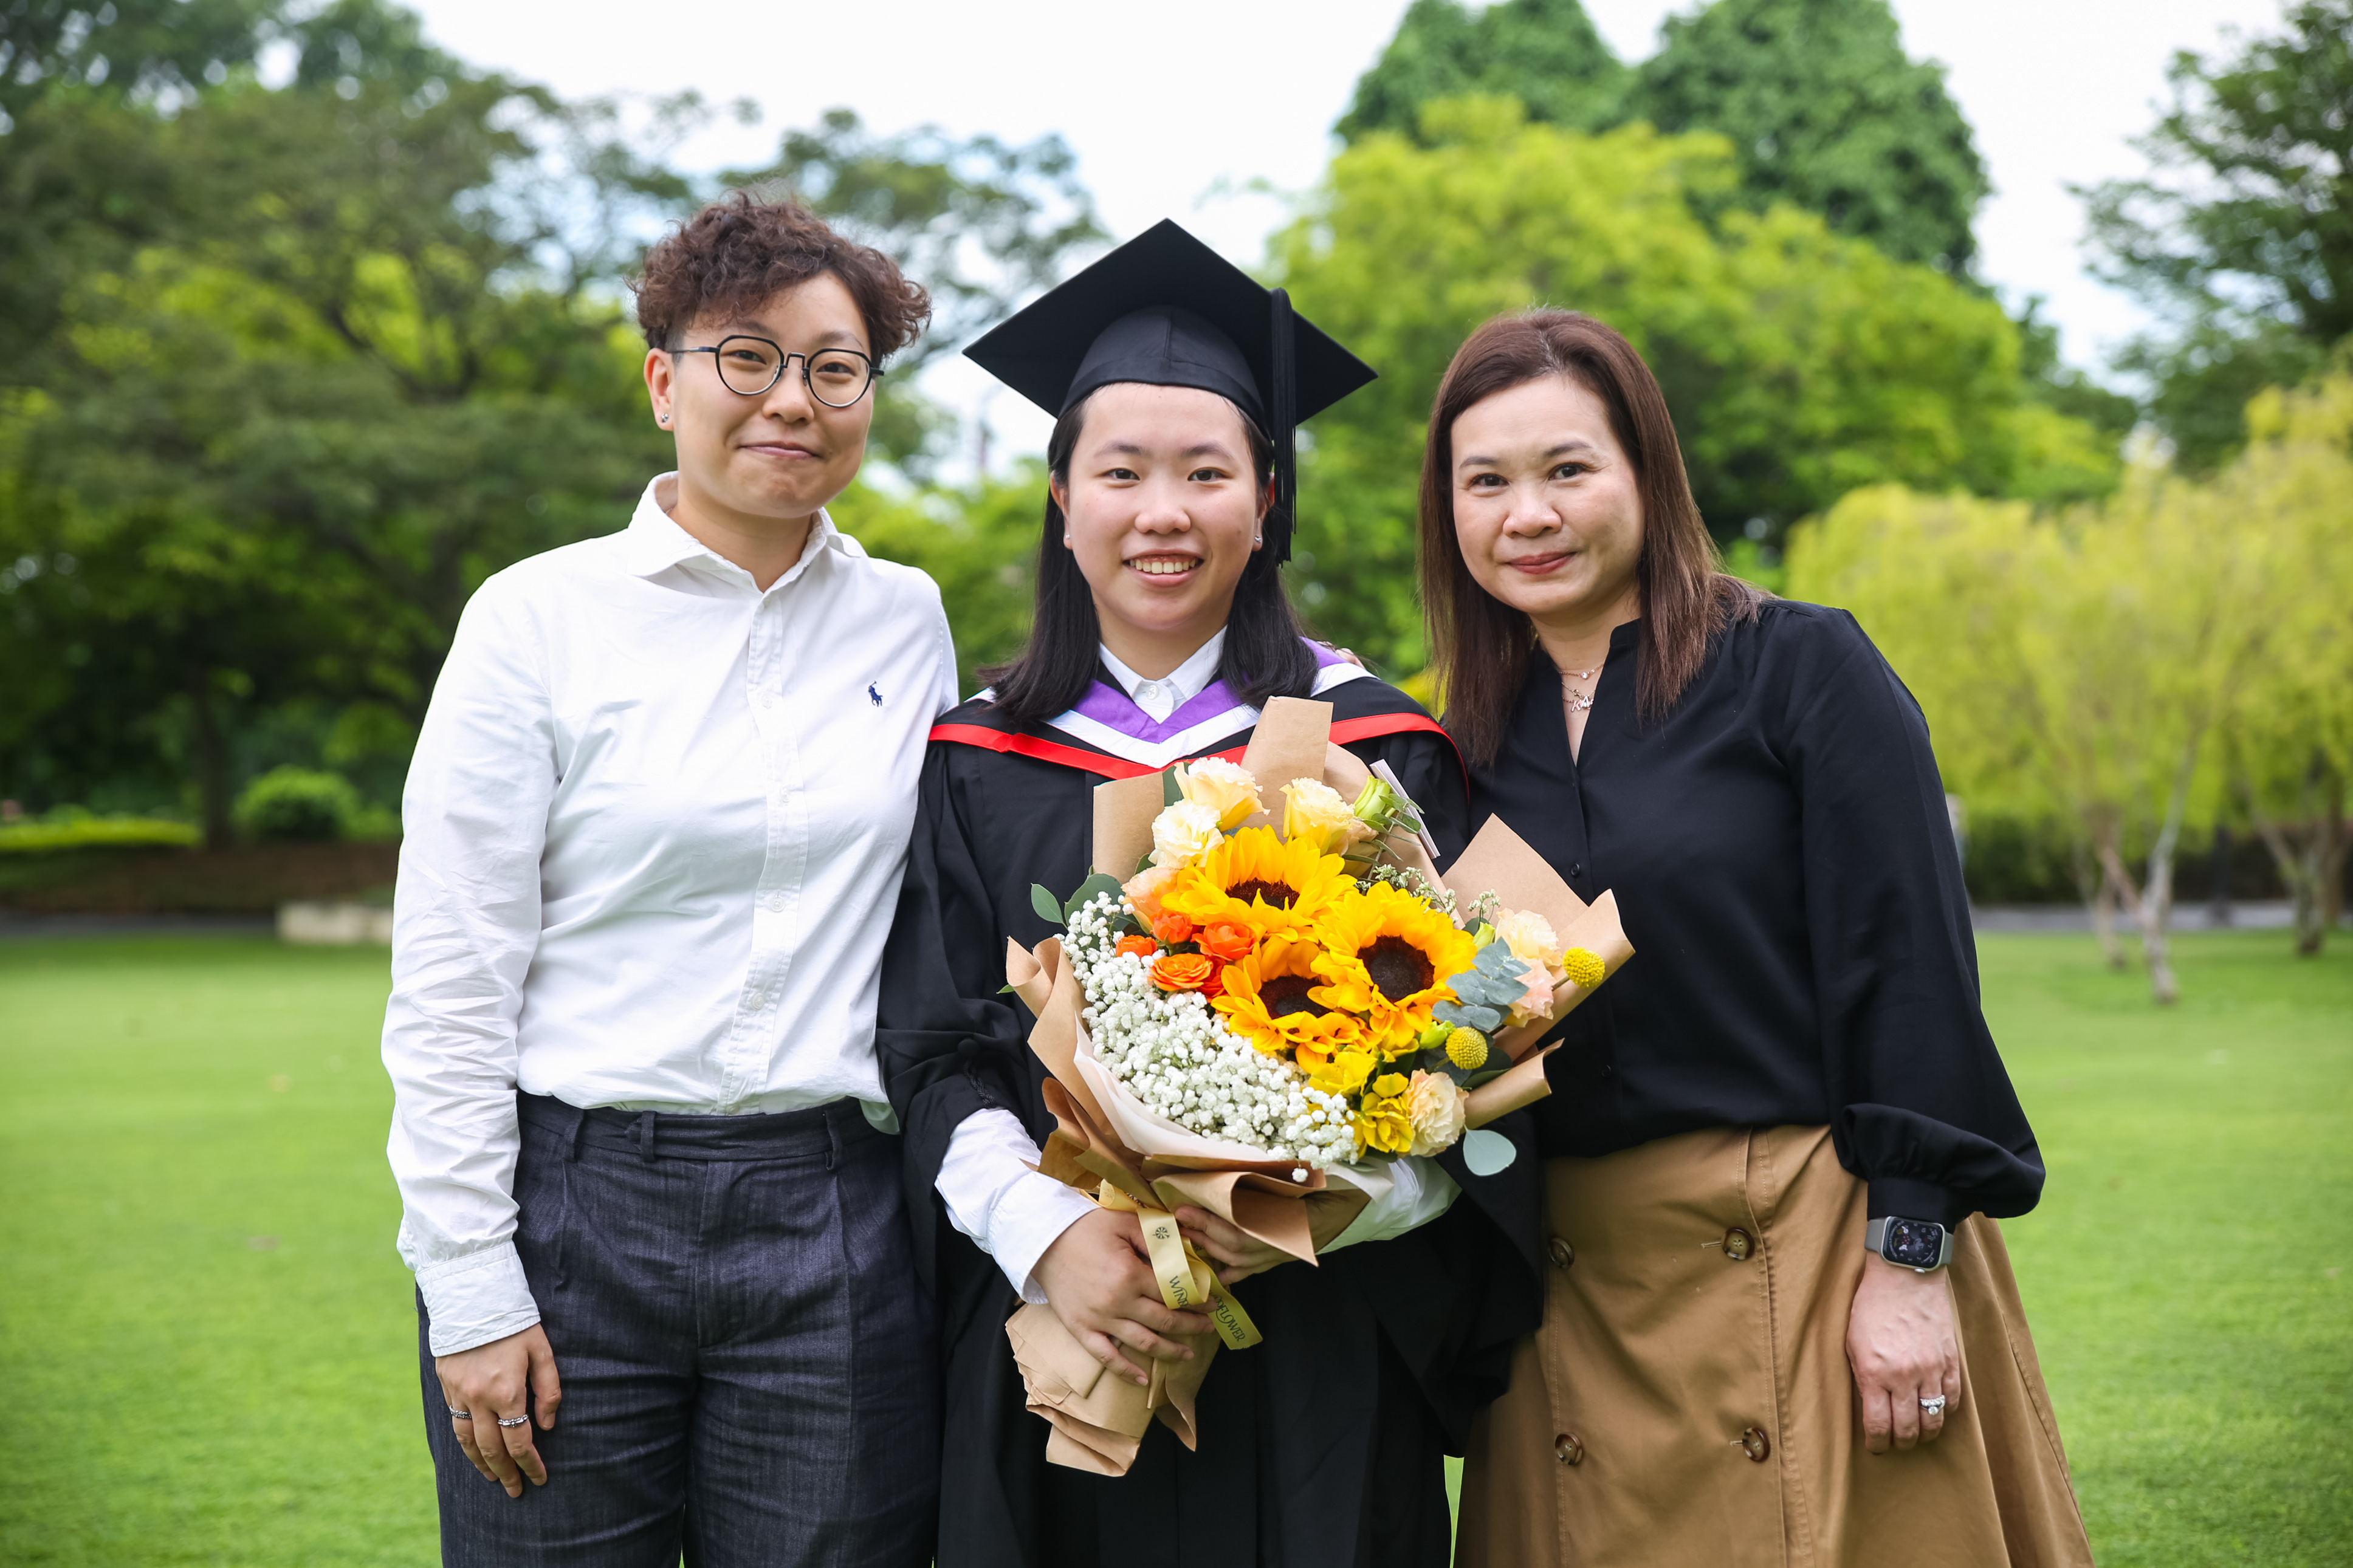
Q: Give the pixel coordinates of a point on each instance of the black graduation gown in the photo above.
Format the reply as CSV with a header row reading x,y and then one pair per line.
x,y
1319,1448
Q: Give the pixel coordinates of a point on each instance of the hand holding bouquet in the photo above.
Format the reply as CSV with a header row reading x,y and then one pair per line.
x,y
1249,1019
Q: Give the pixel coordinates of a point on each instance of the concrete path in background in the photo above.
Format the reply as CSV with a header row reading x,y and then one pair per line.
x,y
19,926
2267,916
2273,915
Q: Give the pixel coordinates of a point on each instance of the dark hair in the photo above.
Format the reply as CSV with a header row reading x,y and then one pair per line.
x,y
1263,657
738,253
1480,645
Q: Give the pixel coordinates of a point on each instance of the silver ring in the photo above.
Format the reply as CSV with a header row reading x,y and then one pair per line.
x,y
1927,1406
514,1420
457,1414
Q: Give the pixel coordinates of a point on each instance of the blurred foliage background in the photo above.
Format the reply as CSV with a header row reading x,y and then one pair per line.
x,y
307,326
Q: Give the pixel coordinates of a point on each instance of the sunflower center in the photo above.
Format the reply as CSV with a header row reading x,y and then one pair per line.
x,y
1278,895
1287,994
1396,967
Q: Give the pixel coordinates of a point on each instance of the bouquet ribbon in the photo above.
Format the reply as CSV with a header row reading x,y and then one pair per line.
x,y
1186,1278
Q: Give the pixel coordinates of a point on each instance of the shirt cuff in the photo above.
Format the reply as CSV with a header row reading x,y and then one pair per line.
x,y
995,1196
1906,1198
1416,1192
476,1298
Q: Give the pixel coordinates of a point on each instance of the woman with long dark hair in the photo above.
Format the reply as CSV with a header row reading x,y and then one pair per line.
x,y
1780,1322
1161,630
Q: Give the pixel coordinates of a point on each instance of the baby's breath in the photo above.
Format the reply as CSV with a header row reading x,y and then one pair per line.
x,y
1173,1052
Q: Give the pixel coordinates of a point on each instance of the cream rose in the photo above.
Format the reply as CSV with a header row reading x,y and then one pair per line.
x,y
1531,939
1313,810
1183,833
1228,789
1434,1102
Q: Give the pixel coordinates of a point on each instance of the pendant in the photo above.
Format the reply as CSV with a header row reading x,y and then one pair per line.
x,y
1577,702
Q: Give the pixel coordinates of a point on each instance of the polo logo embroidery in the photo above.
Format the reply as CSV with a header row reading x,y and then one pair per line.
x,y
874,696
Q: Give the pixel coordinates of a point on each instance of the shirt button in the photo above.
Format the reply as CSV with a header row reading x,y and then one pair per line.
x,y
1562,1255
775,903
1738,1244
1569,1448
1756,1444
755,1001
1576,867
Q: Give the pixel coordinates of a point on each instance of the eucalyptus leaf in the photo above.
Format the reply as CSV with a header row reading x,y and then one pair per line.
x,y
1487,1152
1048,908
1170,794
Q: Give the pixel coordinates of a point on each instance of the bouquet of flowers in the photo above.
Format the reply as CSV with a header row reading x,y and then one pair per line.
x,y
1256,1020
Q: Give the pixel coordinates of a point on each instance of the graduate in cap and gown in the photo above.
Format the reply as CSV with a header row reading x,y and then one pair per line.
x,y
1161,630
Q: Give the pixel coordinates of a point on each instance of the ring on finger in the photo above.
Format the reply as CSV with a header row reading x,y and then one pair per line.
x,y
1933,1406
514,1420
457,1414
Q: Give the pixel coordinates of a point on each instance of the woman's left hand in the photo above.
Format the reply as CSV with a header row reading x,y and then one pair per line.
x,y
1238,1254
1901,1342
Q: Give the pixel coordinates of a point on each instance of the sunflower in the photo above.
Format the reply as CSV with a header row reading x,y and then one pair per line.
x,y
1266,1001
1260,880
1386,958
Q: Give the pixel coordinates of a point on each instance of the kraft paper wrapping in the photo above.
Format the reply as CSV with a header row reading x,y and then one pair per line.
x,y
1499,861
1110,1145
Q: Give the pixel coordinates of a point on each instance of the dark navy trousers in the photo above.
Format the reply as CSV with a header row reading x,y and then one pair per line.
x,y
749,1374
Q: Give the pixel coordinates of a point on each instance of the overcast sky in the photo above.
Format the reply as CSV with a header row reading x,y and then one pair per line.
x,y
1168,106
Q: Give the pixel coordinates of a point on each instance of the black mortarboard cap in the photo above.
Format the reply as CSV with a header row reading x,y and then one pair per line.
x,y
1167,311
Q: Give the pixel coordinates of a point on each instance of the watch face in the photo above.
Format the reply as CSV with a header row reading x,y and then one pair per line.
x,y
1914,1243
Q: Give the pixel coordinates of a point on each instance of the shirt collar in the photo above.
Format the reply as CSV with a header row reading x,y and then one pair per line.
x,y
1180,685
654,542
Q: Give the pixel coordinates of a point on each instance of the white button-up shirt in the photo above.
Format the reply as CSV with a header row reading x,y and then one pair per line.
x,y
655,829
1014,1213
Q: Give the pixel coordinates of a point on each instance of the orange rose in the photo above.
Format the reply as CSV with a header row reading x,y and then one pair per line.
x,y
1173,928
1228,939
1183,971
1142,946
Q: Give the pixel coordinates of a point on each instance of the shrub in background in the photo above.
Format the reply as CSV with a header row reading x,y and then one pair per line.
x,y
298,806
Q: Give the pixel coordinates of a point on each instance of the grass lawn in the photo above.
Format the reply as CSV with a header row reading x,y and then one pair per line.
x,y
207,1344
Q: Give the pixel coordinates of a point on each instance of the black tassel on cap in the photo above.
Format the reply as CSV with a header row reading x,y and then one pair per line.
x,y
1282,412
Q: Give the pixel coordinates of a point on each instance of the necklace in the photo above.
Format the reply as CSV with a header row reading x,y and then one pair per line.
x,y
1574,701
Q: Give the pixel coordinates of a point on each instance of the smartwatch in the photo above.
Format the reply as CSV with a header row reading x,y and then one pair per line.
x,y
1919,1245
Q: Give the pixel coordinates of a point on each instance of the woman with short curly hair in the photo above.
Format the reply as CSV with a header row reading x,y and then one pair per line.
x,y
655,829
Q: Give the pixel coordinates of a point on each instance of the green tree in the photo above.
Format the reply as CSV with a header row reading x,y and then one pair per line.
x,y
1826,110
2241,235
981,223
1545,53
1799,363
380,355
1822,106
2289,739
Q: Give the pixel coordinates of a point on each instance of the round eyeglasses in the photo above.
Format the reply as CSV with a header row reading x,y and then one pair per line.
x,y
835,377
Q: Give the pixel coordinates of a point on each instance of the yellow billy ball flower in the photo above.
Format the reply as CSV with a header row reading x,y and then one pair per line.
x,y
1467,1049
1584,967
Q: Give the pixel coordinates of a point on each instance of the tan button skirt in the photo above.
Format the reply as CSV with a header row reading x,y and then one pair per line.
x,y
1687,1403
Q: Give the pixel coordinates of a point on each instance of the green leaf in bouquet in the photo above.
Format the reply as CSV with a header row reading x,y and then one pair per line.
x,y
1478,1076
1485,1019
1101,882
1487,1152
1048,908
1170,794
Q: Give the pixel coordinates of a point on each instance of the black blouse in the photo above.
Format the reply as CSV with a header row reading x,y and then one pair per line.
x,y
1784,863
